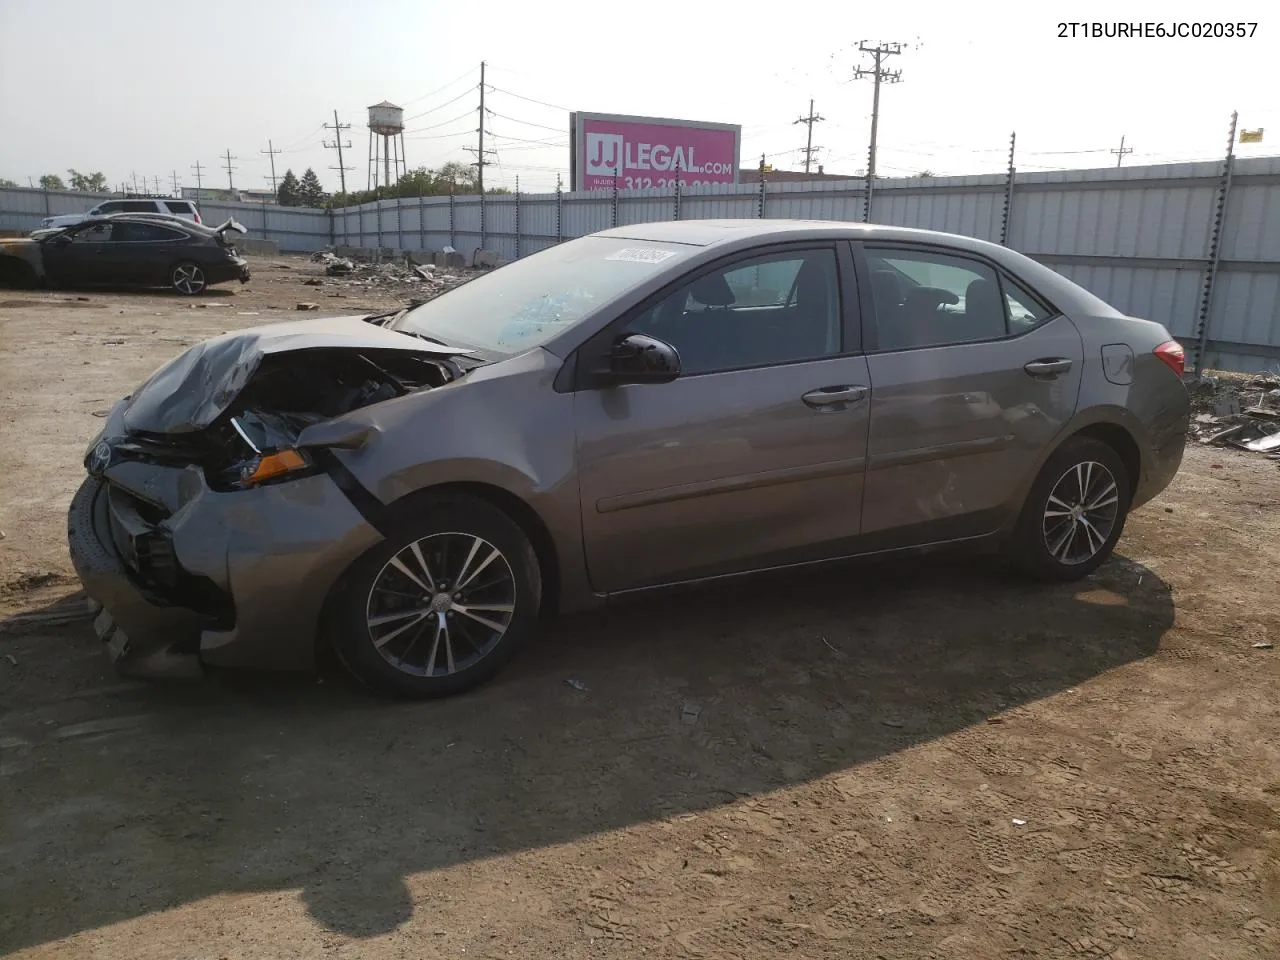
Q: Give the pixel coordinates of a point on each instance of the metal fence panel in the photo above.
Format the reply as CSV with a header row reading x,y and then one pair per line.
x,y
1136,236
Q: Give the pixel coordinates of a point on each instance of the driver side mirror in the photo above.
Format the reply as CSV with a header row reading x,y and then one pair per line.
x,y
639,358
61,240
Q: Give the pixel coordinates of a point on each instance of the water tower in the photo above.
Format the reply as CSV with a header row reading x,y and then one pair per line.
x,y
386,143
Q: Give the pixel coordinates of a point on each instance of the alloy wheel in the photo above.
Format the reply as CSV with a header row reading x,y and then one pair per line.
x,y
441,604
1081,513
188,278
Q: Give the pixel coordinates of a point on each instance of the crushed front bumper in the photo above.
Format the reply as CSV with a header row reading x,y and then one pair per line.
x,y
186,575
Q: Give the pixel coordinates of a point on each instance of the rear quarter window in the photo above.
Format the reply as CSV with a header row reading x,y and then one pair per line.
x,y
139,206
180,207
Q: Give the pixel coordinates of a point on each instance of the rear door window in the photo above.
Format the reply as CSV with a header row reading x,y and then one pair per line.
x,y
111,206
179,208
143,233
139,206
98,233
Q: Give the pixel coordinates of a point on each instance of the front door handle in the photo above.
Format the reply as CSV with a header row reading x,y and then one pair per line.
x,y
825,397
1048,368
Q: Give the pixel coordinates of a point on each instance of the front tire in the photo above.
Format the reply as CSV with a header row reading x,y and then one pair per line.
x,y
441,606
187,278
1074,514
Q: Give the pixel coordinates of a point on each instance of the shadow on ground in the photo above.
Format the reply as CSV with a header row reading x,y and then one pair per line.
x,y
691,700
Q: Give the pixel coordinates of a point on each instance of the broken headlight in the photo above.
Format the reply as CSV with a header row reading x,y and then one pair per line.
x,y
268,467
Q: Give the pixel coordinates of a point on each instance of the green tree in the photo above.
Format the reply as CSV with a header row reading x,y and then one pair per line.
x,y
94,182
51,181
310,193
287,192
6,182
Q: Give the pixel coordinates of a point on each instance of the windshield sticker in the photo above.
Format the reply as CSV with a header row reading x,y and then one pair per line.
x,y
641,255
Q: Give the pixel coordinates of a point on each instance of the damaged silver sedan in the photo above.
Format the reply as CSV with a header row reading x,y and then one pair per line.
x,y
651,405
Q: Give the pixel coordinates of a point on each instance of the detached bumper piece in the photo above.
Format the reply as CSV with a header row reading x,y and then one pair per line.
x,y
150,613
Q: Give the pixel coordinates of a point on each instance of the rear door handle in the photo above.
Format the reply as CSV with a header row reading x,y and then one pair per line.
x,y
1048,368
825,397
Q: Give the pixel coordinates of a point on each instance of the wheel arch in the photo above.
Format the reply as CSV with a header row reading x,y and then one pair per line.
x,y
521,513
1114,426
17,271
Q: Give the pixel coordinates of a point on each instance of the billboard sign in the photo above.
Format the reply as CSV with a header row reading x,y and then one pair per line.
x,y
642,153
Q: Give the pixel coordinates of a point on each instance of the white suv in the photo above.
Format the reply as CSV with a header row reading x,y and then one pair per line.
x,y
184,209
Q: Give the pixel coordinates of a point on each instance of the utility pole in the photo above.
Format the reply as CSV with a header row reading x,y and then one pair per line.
x,y
199,182
134,177
337,144
230,183
271,152
176,189
157,179
479,149
878,75
809,148
1120,154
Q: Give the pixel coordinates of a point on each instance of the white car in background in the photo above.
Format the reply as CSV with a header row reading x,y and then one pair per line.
x,y
183,209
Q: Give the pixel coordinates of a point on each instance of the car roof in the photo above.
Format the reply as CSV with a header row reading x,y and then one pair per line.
x,y
168,221
706,233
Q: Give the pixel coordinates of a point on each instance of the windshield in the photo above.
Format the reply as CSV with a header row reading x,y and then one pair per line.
x,y
526,303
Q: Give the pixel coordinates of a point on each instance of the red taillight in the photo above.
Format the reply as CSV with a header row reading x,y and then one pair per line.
x,y
1172,354
198,217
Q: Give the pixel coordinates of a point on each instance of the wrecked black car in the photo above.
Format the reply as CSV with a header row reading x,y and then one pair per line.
x,y
142,250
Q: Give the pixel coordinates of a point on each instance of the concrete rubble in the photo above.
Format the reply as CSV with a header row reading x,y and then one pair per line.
x,y
1238,411
369,269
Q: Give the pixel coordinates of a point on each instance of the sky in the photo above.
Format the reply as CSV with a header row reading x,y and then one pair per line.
x,y
151,88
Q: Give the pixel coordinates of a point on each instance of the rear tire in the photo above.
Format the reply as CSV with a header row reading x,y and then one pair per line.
x,y
188,278
1074,514
442,605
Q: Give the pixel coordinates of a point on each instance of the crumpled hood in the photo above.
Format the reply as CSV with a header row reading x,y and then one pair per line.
x,y
190,392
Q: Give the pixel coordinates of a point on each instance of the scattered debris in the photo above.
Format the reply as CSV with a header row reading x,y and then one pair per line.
x,y
114,342
314,282
426,273
995,719
1241,412
1264,645
690,712
893,722
206,306
101,413
828,644
1019,823
11,658
246,313
308,306
576,684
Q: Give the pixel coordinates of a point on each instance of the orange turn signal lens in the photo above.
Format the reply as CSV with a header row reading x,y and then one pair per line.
x,y
276,465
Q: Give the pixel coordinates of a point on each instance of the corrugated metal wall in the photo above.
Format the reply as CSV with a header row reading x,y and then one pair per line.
x,y
1138,237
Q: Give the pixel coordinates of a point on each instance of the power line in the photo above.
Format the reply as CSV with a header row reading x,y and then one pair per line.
x,y
527,123
196,170
809,148
444,123
465,74
541,103
176,191
271,152
440,107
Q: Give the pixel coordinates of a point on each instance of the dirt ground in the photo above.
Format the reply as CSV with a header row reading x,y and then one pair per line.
x,y
903,760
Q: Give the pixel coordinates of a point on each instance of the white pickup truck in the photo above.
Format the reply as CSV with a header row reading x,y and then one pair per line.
x,y
183,209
